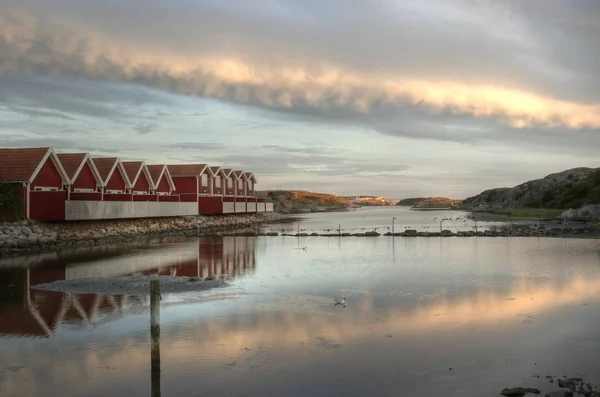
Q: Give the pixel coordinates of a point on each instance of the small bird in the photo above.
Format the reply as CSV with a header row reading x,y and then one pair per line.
x,y
340,302
305,248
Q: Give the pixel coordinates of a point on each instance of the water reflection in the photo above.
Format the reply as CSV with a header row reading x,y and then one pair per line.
x,y
26,311
416,307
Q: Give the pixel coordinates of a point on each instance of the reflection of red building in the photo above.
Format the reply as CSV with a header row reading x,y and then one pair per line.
x,y
28,312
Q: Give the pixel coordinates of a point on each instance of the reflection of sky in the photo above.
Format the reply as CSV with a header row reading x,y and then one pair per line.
x,y
489,308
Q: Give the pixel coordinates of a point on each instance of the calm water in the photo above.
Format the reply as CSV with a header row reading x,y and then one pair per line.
x,y
496,310
381,219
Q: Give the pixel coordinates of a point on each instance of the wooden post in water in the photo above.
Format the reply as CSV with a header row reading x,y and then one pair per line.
x,y
340,230
155,337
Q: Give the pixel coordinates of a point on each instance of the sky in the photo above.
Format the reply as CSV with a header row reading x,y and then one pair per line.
x,y
376,97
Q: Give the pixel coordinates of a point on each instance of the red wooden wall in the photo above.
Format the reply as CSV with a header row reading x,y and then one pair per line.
x,y
186,184
48,176
85,179
163,185
116,181
174,198
188,198
142,184
48,206
210,205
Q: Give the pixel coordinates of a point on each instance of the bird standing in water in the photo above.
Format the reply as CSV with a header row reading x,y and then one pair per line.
x,y
340,302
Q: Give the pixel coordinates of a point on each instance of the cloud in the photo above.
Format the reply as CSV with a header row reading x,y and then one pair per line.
x,y
294,163
197,146
31,112
144,128
460,68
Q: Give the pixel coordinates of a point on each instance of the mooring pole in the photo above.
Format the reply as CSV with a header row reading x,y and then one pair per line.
x,y
340,230
155,337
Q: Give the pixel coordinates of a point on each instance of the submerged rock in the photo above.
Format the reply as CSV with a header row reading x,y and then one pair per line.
x,y
519,391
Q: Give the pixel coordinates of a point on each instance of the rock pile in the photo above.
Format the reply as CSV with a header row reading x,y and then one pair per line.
x,y
586,213
27,236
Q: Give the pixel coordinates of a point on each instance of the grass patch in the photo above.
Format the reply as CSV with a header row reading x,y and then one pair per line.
x,y
531,212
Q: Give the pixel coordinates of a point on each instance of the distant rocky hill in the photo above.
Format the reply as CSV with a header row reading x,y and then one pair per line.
x,y
300,201
429,202
367,201
572,188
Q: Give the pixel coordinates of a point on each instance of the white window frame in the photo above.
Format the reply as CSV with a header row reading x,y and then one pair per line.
x,y
217,181
138,192
249,185
162,194
240,184
229,183
82,190
204,180
113,191
45,189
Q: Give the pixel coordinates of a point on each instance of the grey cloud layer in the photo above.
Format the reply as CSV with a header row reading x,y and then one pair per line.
x,y
470,58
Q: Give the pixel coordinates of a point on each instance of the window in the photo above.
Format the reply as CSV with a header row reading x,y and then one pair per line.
x,y
249,185
109,191
82,190
204,180
229,183
240,184
45,189
217,181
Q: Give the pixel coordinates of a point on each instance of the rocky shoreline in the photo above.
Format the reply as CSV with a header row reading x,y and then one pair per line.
x,y
556,232
30,237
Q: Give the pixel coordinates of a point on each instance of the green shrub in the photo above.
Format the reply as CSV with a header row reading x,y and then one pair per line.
x,y
11,205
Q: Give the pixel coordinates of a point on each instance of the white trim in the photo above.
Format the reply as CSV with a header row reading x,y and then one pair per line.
x,y
170,180
88,159
137,175
204,180
123,174
151,183
138,192
45,189
113,191
162,194
57,164
28,200
229,183
218,181
219,170
82,190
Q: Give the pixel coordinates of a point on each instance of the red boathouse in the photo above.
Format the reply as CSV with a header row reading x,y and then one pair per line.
x,y
114,178
40,179
163,183
85,183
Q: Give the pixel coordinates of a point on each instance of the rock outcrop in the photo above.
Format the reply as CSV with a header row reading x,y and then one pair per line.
x,y
586,213
429,202
567,189
299,201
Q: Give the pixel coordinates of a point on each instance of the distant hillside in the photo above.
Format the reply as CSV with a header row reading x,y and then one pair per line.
x,y
300,201
367,201
572,188
429,202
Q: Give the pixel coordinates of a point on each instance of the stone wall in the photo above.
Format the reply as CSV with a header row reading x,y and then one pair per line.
x,y
28,236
